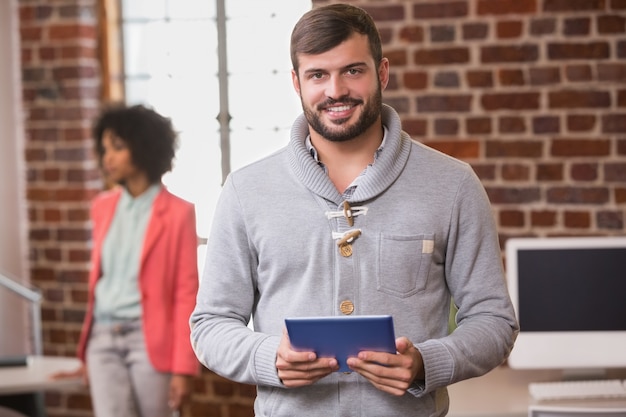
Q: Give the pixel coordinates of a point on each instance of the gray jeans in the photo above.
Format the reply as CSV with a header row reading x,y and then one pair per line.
x,y
122,381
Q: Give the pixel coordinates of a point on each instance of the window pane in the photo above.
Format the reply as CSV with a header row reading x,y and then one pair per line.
x,y
171,64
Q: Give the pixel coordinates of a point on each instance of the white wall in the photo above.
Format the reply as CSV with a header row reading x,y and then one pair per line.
x,y
13,261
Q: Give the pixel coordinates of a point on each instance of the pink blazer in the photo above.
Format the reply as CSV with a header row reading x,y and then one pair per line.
x,y
168,278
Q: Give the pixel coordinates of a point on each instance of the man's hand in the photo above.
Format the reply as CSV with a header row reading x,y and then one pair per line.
x,y
388,372
298,369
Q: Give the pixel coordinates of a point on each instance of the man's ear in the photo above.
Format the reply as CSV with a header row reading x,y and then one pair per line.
x,y
383,73
295,81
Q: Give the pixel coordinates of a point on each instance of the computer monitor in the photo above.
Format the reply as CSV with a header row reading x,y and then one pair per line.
x,y
569,295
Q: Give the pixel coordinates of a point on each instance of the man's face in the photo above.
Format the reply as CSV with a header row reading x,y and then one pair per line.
x,y
341,89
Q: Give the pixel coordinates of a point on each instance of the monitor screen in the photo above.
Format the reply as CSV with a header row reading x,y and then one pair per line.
x,y
569,295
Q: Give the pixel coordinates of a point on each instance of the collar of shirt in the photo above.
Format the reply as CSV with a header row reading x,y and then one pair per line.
x,y
142,201
350,190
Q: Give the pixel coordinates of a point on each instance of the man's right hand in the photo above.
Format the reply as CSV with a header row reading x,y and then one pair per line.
x,y
298,369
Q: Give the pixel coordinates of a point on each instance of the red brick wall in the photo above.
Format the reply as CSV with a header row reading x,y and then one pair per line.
x,y
532,93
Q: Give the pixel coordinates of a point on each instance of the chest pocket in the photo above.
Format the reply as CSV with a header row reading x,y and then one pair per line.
x,y
404,263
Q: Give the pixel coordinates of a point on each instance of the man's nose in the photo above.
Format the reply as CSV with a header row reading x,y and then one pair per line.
x,y
336,88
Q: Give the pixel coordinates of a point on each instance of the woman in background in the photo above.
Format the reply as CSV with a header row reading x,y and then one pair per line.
x,y
142,286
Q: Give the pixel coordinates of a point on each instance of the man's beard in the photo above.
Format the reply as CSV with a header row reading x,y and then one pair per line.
x,y
369,115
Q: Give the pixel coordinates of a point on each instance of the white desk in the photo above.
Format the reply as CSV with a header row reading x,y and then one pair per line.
x,y
503,392
36,375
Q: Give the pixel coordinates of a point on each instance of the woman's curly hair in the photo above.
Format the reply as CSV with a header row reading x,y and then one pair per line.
x,y
150,137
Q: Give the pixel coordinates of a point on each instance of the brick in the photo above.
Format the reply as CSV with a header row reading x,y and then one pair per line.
x,y
577,195
509,29
386,13
460,149
550,171
77,255
511,218
415,127
584,172
440,9
513,149
621,146
65,73
414,80
611,24
573,5
412,34
446,127
71,154
510,101
479,78
31,34
571,99
517,53
485,171
52,215
515,172
543,218
615,171
79,51
47,53
392,83
475,31
77,215
613,220
546,124
444,56
478,125
577,219
580,147
52,255
589,50
621,49
444,33
543,26
581,122
621,98
576,26
580,72
614,123
511,77
511,124
612,72
620,195
513,195
500,7
618,4
71,32
401,104
397,58
51,174
446,79
544,76
444,103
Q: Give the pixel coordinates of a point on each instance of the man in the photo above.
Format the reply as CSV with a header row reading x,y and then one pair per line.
x,y
352,217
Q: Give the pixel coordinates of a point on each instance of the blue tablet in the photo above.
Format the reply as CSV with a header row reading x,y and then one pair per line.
x,y
341,337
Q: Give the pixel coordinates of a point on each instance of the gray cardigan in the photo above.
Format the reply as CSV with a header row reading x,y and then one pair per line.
x,y
427,234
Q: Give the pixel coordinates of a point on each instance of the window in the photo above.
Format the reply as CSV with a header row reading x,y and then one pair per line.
x,y
172,62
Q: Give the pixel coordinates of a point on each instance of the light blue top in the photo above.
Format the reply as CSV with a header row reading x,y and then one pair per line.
x,y
117,291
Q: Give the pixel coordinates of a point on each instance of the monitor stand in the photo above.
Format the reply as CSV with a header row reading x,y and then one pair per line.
x,y
583,374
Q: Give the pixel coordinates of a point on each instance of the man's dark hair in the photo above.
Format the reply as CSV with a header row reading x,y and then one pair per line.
x,y
150,137
323,28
